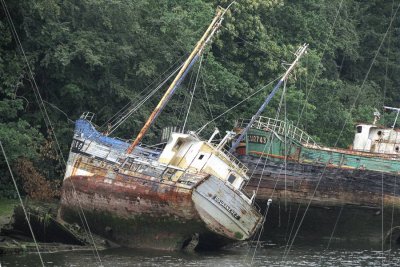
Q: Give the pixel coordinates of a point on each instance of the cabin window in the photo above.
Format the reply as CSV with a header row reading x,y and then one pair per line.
x,y
201,157
397,149
359,129
178,145
379,132
231,178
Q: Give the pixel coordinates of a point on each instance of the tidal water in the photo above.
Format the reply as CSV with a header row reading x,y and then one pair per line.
x,y
268,256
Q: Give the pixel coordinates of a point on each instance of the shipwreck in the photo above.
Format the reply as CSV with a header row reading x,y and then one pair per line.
x,y
349,195
189,193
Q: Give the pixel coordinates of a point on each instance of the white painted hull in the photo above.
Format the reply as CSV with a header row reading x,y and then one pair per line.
x,y
224,210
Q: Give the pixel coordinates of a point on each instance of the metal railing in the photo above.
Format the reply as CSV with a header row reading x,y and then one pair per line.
x,y
88,116
281,128
241,168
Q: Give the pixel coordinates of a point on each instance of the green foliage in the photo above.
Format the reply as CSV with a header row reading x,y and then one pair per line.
x,y
99,55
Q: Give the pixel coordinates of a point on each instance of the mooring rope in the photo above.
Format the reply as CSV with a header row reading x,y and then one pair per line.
x,y
269,201
42,107
344,125
22,204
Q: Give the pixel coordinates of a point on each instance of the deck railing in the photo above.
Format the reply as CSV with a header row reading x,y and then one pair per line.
x,y
281,128
228,156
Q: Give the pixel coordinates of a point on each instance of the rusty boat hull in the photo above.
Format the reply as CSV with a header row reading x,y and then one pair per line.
x,y
340,195
136,212
346,206
137,201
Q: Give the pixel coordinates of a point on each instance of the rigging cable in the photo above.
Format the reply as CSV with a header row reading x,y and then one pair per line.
x,y
180,114
271,139
198,131
269,145
319,63
32,80
207,99
127,106
383,104
124,117
193,91
344,125
22,204
40,102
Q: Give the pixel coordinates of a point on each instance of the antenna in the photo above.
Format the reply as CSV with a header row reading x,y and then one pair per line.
x,y
397,115
377,116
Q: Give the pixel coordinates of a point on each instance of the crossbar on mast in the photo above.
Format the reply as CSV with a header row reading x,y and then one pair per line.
x,y
397,115
198,48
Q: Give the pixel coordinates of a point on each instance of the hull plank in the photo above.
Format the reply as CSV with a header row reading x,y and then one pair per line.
x,y
336,187
131,213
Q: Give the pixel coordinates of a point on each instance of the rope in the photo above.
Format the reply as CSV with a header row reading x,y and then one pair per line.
x,y
383,104
42,107
57,108
191,99
276,56
22,204
391,224
228,110
285,141
207,100
271,138
344,124
130,104
319,63
33,82
141,103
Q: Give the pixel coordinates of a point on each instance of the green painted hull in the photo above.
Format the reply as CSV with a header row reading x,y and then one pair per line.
x,y
358,186
259,142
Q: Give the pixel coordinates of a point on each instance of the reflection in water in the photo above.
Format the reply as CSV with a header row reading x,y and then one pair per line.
x,y
271,256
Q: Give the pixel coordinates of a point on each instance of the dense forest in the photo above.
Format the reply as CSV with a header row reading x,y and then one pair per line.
x,y
101,55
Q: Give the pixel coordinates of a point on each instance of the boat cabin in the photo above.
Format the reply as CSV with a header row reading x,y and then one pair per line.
x,y
376,139
188,152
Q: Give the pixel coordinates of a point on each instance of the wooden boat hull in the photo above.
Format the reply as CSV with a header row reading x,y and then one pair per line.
x,y
227,213
137,201
135,212
358,189
361,193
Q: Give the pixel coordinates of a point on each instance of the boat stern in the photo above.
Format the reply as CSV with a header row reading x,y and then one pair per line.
x,y
225,210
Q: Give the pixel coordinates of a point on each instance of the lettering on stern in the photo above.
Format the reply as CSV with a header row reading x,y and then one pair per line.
x,y
225,206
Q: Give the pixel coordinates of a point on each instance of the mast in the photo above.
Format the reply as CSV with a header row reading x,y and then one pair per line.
x,y
298,54
216,22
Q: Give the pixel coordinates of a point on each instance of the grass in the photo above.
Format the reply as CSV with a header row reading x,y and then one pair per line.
x,y
7,206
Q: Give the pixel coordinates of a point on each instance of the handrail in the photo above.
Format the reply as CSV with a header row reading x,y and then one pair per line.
x,y
281,128
227,155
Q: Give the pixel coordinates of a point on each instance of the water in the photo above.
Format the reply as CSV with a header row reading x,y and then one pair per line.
x,y
270,256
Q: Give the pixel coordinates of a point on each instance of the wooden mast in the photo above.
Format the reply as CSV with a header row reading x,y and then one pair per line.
x,y
199,46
